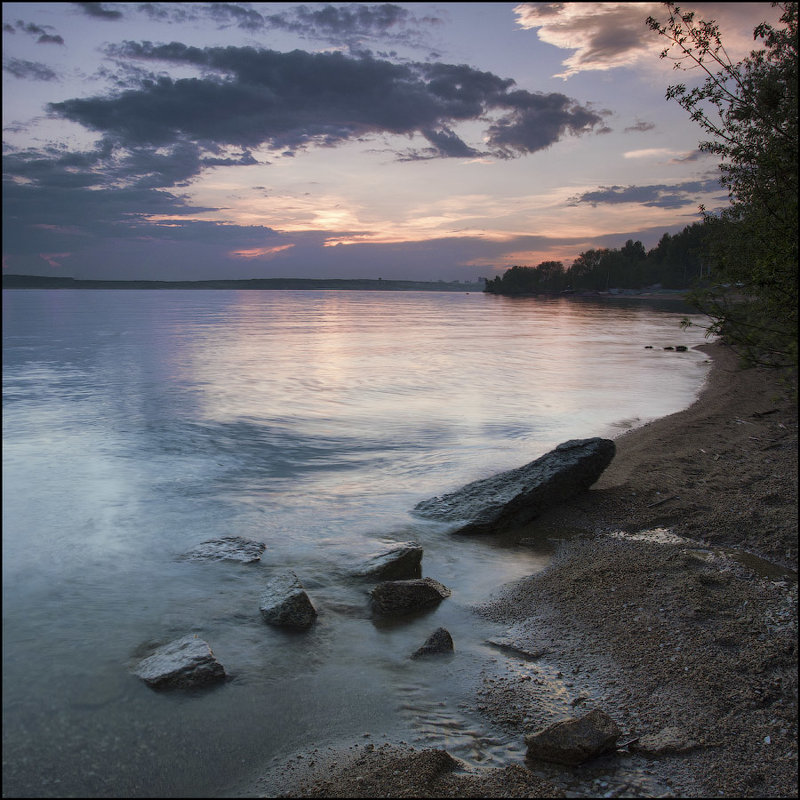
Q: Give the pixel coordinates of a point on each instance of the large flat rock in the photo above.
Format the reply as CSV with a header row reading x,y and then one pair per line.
x,y
405,597
520,495
184,663
228,548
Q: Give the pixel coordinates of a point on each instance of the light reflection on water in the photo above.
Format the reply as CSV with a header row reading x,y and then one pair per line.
x,y
138,424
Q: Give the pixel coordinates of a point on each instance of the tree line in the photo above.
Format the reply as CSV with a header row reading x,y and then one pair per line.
x,y
677,262
740,262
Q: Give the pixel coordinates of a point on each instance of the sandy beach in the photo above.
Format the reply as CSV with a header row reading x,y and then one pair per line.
x,y
670,604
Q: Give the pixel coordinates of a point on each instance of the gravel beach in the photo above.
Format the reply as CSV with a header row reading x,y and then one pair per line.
x,y
670,604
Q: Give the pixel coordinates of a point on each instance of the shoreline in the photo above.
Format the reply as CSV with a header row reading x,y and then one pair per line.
x,y
677,630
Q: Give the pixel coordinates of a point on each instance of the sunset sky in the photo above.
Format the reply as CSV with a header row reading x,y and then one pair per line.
x,y
413,141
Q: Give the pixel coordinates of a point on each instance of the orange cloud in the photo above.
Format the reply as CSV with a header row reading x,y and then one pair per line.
x,y
261,252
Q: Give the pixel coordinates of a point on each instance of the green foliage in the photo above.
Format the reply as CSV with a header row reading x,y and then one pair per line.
x,y
547,277
749,112
673,264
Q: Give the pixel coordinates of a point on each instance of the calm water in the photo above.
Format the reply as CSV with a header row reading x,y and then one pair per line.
x,y
139,424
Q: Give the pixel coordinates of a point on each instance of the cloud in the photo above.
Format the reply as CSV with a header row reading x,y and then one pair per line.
x,y
30,70
345,26
234,13
99,11
34,30
657,195
349,26
608,35
261,252
603,35
640,127
650,152
249,97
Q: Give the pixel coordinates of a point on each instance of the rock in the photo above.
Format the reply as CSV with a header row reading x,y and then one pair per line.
x,y
440,641
510,645
575,740
681,348
403,597
667,741
228,548
183,664
520,495
285,602
403,560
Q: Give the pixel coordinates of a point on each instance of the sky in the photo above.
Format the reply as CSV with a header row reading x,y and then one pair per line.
x,y
416,141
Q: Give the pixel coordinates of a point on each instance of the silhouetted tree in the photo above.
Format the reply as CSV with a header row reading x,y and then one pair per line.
x,y
749,112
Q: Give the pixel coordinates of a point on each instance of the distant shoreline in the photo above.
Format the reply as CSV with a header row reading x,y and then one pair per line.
x,y
677,297
363,284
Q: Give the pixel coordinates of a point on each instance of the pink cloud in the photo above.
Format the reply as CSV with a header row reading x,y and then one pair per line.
x,y
53,259
261,252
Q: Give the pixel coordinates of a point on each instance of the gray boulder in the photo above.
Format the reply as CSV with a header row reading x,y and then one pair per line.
x,y
403,560
573,741
404,597
519,495
285,602
440,641
185,663
228,548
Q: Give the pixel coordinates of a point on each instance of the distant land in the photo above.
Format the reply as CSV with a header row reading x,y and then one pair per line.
x,y
48,282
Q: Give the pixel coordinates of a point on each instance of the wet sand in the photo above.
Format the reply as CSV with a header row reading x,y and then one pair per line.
x,y
671,605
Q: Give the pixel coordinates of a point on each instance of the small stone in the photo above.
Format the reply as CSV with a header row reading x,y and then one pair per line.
x,y
285,602
575,740
185,663
440,641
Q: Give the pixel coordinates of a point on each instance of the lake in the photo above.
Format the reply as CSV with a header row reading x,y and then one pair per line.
x,y
137,424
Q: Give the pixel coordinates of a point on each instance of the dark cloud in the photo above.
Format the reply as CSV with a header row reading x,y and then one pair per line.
x,y
233,13
250,97
640,127
341,20
34,30
30,70
100,11
343,25
538,121
170,13
349,26
658,195
47,216
695,155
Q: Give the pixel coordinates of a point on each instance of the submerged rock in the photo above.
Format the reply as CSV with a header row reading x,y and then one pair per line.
x,y
403,560
403,597
182,664
285,602
575,740
228,548
440,641
520,495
